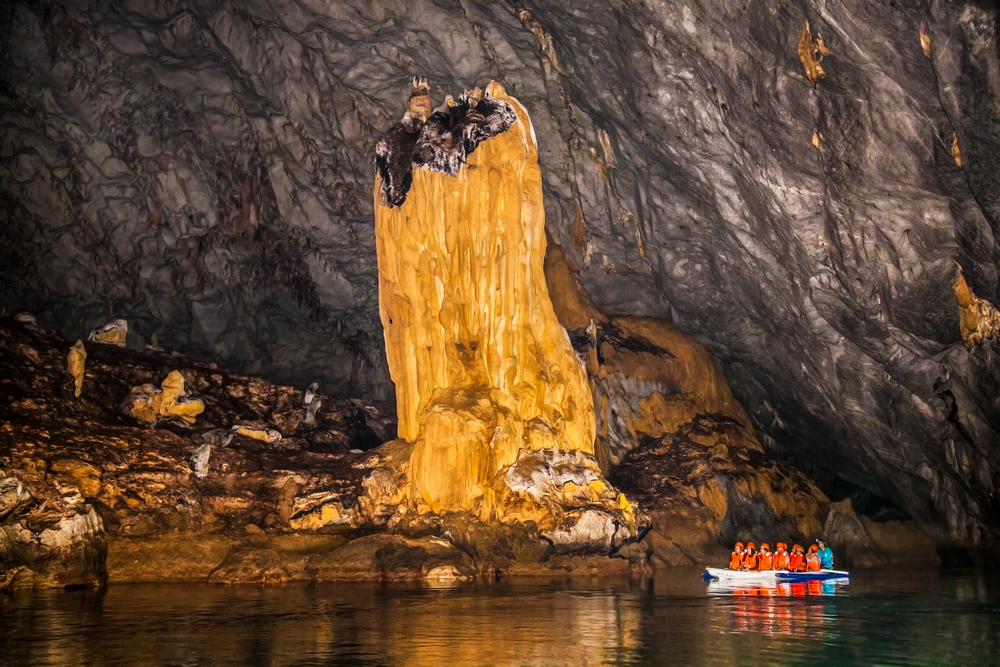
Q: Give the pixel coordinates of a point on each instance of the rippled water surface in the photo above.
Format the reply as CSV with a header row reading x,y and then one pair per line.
x,y
921,617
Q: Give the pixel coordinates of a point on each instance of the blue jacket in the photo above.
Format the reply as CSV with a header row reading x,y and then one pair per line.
x,y
826,558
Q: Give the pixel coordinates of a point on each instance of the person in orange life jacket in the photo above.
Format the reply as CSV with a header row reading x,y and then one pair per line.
x,y
797,561
764,560
812,559
781,557
750,557
736,560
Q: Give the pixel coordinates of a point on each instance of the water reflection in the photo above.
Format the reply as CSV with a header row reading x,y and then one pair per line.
x,y
916,618
773,608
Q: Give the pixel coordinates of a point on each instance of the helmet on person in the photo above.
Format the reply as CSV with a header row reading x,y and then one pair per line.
x,y
739,545
764,545
813,548
782,545
796,547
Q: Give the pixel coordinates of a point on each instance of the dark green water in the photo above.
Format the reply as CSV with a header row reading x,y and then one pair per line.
x,y
922,617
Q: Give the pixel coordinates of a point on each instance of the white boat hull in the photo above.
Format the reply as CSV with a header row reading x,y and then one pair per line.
x,y
771,575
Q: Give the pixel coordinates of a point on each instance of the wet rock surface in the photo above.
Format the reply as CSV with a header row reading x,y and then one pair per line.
x,y
205,172
90,494
79,473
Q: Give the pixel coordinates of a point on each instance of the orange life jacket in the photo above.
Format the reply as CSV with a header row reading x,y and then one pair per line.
x,y
750,561
764,562
797,563
736,560
781,560
812,561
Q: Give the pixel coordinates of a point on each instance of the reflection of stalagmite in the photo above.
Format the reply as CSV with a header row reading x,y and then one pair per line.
x,y
483,369
978,318
74,366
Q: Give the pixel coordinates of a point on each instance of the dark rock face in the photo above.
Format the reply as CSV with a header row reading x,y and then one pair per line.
x,y
205,171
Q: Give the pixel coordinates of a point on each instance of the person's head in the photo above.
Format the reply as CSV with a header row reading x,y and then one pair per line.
x,y
739,546
822,544
813,548
796,548
781,546
764,546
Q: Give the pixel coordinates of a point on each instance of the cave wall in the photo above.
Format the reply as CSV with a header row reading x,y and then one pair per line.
x,y
203,169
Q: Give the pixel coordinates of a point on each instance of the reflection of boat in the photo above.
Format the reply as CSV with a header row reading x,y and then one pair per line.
x,y
726,574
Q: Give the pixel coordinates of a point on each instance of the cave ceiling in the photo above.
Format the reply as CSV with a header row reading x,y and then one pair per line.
x,y
204,170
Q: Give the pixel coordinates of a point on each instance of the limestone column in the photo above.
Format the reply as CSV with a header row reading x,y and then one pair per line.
x,y
481,365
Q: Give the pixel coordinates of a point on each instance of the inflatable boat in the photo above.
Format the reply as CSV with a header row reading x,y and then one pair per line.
x,y
726,574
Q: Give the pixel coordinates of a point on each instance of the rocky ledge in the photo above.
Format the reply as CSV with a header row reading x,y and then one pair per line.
x,y
271,483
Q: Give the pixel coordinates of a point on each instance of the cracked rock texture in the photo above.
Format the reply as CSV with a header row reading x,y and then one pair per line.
x,y
204,171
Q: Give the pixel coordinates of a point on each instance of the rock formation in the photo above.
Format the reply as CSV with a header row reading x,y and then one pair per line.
x,y
203,170
489,392
978,319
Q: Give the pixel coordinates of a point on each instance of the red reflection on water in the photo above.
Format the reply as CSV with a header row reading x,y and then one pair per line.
x,y
786,608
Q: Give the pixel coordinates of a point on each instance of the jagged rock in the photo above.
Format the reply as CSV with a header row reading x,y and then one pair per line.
x,y
60,547
199,460
590,531
704,502
251,566
849,539
666,551
170,401
978,319
309,420
391,557
216,437
12,496
319,509
138,480
112,333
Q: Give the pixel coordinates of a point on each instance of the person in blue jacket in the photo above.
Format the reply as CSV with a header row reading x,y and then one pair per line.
x,y
825,555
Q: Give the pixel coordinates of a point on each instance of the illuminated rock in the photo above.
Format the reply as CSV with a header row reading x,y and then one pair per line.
x,y
112,333
648,378
75,364
268,435
199,460
149,404
484,372
978,318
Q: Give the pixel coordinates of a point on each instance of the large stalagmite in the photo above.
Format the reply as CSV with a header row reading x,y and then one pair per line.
x,y
485,375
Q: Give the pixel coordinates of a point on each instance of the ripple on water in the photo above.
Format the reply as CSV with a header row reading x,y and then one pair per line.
x,y
885,618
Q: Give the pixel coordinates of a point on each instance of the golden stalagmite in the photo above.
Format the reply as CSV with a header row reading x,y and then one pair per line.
x,y
978,318
75,361
483,369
